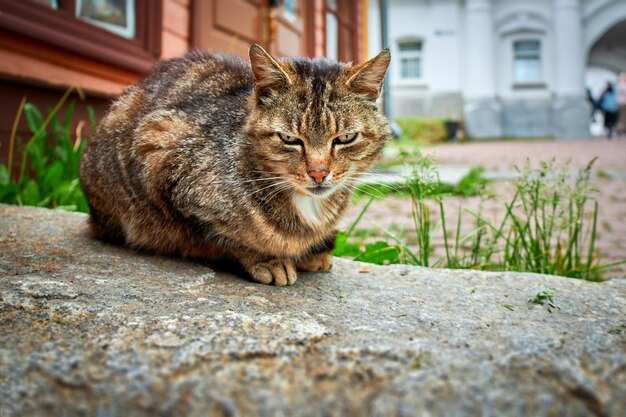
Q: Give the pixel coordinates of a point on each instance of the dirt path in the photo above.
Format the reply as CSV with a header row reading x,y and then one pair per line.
x,y
395,213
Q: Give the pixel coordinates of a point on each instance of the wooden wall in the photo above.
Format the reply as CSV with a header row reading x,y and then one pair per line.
x,y
42,72
176,35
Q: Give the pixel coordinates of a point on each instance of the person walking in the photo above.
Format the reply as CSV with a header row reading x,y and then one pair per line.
x,y
621,104
608,106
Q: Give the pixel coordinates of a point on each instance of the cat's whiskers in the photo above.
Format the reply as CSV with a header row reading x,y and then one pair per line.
x,y
354,183
266,187
392,186
370,185
283,187
373,191
237,182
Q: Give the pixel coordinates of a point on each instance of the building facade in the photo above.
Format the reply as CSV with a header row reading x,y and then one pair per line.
x,y
102,46
516,68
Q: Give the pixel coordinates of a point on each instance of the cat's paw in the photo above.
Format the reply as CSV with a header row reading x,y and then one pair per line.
x,y
320,262
277,272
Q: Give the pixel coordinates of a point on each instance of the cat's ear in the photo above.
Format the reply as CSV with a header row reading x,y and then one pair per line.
x,y
268,75
368,77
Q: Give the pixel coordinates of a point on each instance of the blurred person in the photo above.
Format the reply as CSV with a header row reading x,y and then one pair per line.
x,y
593,103
608,106
621,104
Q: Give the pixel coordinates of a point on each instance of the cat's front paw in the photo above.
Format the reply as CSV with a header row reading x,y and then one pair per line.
x,y
320,262
277,272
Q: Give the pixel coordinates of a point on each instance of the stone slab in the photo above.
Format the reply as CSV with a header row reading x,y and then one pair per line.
x,y
91,329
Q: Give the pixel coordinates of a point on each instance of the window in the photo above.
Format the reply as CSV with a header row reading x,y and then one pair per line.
x,y
410,60
527,62
50,3
289,10
125,33
117,16
340,30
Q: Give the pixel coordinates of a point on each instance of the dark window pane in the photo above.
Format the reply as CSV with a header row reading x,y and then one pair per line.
x,y
526,47
410,46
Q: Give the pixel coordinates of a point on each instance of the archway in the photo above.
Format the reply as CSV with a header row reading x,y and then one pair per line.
x,y
605,60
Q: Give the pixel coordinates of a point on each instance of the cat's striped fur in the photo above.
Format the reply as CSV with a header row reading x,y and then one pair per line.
x,y
213,157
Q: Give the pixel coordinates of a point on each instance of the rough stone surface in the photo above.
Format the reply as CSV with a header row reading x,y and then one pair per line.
x,y
483,118
527,118
97,330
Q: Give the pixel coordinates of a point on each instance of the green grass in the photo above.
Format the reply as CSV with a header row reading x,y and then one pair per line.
x,y
549,226
421,130
50,159
600,174
416,133
545,297
471,184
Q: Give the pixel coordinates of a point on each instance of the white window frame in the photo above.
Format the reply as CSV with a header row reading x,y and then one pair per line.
x,y
520,54
290,10
127,31
402,55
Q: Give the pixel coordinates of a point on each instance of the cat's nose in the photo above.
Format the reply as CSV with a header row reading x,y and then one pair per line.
x,y
318,175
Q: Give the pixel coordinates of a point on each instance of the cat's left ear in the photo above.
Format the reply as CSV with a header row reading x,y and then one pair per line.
x,y
268,74
368,78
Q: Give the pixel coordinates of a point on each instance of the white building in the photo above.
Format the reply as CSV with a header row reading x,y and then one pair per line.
x,y
506,67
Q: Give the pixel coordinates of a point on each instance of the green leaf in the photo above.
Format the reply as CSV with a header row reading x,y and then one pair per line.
x,y
30,194
37,157
81,201
4,175
62,193
8,193
92,118
52,177
343,248
33,117
61,154
69,112
379,253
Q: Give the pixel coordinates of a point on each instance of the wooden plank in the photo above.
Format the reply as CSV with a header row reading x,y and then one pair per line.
x,y
289,42
173,45
238,17
176,18
30,68
22,58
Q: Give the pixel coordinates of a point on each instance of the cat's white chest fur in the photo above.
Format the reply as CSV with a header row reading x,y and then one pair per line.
x,y
311,209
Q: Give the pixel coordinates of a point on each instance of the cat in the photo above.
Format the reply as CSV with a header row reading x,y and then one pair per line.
x,y
214,157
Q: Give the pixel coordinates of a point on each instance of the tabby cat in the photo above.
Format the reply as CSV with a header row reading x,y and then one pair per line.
x,y
214,157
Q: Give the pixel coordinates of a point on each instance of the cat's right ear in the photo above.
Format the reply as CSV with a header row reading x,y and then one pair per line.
x,y
368,78
268,74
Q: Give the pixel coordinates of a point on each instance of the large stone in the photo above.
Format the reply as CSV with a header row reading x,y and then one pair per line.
x,y
527,118
483,118
571,117
92,329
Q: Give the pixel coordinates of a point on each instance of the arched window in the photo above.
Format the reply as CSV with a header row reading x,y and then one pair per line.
x,y
410,53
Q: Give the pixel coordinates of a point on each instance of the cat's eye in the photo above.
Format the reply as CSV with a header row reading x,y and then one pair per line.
x,y
290,140
345,139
